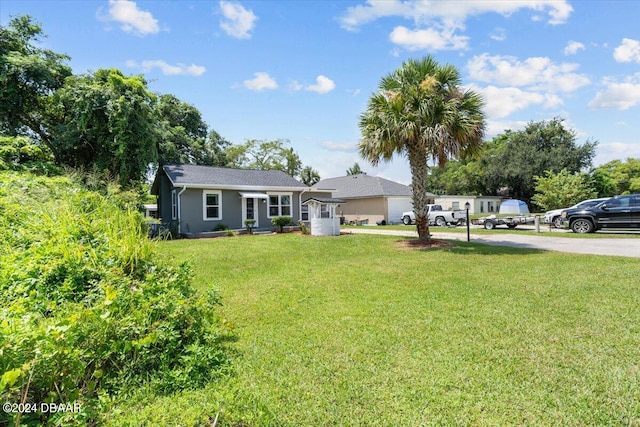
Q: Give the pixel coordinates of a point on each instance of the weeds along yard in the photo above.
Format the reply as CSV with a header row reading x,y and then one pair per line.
x,y
355,330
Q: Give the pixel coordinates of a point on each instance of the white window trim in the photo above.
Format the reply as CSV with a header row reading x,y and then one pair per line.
x,y
174,204
205,193
279,205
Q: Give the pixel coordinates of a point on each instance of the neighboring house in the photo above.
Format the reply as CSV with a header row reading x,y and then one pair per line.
x,y
195,199
368,198
479,204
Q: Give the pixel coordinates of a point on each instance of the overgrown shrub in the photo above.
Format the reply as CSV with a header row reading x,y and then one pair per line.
x,y
221,227
89,312
281,221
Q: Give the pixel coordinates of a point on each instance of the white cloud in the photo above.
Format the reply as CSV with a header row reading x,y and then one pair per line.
x,y
606,152
296,85
618,95
167,69
429,38
628,51
260,82
425,11
495,127
501,102
238,22
573,47
499,34
132,19
537,73
346,147
323,85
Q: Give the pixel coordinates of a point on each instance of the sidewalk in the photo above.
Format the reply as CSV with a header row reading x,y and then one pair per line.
x,y
602,246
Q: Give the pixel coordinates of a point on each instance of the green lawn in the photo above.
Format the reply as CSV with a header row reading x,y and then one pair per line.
x,y
354,331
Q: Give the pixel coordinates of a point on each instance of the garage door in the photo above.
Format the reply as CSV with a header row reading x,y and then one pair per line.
x,y
397,205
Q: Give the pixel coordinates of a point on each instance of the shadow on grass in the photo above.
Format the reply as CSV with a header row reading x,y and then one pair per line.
x,y
473,248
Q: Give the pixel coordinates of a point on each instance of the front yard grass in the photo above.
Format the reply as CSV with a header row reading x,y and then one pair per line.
x,y
354,330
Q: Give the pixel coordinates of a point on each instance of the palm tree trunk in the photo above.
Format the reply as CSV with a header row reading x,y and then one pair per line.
x,y
418,165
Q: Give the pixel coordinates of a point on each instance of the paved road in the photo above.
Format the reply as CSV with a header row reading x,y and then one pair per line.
x,y
602,246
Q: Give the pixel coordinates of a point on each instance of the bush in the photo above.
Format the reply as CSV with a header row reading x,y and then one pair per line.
x,y
89,312
281,221
221,227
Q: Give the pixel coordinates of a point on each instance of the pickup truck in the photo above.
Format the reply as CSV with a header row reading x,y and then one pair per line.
x,y
437,216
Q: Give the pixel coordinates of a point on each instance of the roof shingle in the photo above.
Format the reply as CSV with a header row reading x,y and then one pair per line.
x,y
363,185
218,176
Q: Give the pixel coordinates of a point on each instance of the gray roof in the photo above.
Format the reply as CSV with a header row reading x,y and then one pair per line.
x,y
363,185
326,200
193,175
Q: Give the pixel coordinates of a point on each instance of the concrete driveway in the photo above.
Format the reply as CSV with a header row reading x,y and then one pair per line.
x,y
601,246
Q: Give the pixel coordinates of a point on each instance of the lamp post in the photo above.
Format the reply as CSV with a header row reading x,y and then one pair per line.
x,y
467,205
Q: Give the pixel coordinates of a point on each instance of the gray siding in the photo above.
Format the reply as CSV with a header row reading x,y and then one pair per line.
x,y
192,217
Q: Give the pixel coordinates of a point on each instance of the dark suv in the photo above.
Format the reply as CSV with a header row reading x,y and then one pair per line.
x,y
616,212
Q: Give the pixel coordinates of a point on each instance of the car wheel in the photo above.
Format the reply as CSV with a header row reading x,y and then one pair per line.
x,y
440,222
489,225
581,225
406,220
557,222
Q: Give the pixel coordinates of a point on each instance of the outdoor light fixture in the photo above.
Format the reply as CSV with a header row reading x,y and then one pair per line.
x,y
467,205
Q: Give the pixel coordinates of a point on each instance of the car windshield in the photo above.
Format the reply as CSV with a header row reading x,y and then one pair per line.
x,y
589,203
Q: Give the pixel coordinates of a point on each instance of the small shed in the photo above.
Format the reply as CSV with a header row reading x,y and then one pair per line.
x,y
322,216
514,207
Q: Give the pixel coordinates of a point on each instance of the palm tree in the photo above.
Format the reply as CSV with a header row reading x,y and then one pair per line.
x,y
421,112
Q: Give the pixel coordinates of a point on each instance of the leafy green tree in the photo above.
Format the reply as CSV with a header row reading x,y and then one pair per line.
x,y
106,123
617,177
309,176
181,131
355,169
28,75
456,177
562,189
513,159
265,155
20,153
421,112
215,150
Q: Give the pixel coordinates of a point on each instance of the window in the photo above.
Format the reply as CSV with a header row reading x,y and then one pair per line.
x,y
279,205
490,207
304,212
212,205
174,205
481,206
455,206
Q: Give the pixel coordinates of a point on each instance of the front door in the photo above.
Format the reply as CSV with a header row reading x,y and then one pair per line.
x,y
250,210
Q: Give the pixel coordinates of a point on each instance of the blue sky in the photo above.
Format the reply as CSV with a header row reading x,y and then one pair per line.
x,y
304,70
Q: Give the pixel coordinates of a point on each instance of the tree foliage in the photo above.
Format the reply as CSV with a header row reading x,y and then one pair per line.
x,y
21,153
107,122
562,189
265,155
28,74
421,112
512,160
617,177
515,158
355,169
309,176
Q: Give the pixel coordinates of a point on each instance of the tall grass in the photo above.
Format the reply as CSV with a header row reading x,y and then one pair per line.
x,y
91,313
